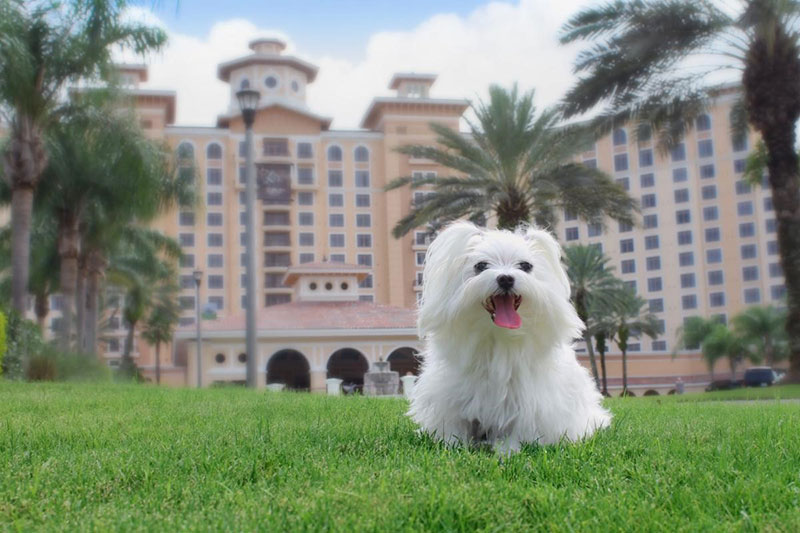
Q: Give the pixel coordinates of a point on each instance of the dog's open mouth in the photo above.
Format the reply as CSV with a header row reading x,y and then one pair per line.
x,y
503,309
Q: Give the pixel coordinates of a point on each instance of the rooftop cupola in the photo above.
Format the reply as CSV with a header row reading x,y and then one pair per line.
x,y
412,84
267,46
325,282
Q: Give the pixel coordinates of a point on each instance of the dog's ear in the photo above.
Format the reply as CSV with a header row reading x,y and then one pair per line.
x,y
441,277
543,243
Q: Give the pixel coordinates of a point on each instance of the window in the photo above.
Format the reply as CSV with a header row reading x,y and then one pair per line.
x,y
595,230
647,180
305,198
739,143
634,347
215,260
684,237
768,206
659,346
306,257
305,175
336,199
705,148
678,153
276,299
215,239
679,175
304,150
271,82
689,301
277,259
336,240
686,259
739,166
646,157
242,198
590,163
772,247
187,282
214,151
712,235
187,261
214,176
703,122
274,219
620,137
214,198
362,178
688,280
363,220
744,208
276,147
709,192
113,345
747,229
364,260
648,200
743,187
714,256
569,216
625,227
748,251
716,277
752,295
651,242
656,305
214,219
186,218
186,239
626,246
305,219
305,239
336,220
777,292
775,270
620,162
710,213
334,153
716,299
572,234
654,263
276,239
681,196
625,183
654,284
420,257
364,240
186,302
366,283
707,171
361,154
185,151
362,200
215,281
750,273
630,285
242,149
643,133
650,221
335,178
628,266
771,225
683,216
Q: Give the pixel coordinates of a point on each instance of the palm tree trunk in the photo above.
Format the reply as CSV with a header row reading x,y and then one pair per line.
x,y
21,213
625,371
592,361
68,256
80,306
95,264
603,366
158,363
41,306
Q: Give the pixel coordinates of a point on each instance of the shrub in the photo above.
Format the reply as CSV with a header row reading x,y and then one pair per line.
x,y
2,339
41,368
52,365
23,342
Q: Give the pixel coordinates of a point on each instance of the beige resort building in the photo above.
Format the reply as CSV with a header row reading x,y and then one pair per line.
x,y
706,245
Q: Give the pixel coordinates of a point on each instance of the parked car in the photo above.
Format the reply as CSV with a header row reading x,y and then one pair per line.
x,y
723,384
759,376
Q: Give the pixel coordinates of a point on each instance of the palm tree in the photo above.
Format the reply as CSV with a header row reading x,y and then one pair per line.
x,y
722,342
516,165
762,328
44,47
603,331
692,336
631,320
593,286
160,324
640,62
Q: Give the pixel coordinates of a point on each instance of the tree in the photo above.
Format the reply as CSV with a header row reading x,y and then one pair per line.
x,y
593,287
46,46
631,320
515,165
723,342
161,322
692,336
762,329
632,64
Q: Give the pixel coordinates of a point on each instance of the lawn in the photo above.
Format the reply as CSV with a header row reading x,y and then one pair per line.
x,y
140,458
777,392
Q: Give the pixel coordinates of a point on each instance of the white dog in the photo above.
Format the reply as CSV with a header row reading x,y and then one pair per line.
x,y
499,366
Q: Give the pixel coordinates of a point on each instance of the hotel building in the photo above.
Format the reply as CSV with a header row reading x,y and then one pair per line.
x,y
706,244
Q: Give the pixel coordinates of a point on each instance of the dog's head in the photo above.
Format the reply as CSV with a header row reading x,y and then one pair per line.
x,y
497,280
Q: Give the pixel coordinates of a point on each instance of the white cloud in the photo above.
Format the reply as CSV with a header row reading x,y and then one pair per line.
x,y
497,43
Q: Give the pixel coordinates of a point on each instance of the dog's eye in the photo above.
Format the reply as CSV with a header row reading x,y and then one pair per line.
x,y
480,267
525,266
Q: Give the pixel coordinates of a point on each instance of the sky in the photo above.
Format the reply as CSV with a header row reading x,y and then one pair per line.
x,y
359,44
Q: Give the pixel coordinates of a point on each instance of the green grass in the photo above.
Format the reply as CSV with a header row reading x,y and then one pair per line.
x,y
777,392
100,457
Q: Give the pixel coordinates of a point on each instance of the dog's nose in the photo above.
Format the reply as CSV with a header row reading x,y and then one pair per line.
x,y
505,282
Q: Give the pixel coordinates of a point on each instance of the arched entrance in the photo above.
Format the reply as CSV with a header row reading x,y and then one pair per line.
x,y
289,367
404,360
349,365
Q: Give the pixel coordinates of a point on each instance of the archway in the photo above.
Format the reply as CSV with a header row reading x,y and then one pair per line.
x,y
349,365
405,360
289,367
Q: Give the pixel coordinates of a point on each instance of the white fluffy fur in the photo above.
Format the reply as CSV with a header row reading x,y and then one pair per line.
x,y
513,386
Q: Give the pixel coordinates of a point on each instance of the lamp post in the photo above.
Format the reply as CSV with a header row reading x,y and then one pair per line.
x,y
198,279
248,102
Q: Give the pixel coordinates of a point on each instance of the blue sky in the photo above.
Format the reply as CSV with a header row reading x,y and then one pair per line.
x,y
333,27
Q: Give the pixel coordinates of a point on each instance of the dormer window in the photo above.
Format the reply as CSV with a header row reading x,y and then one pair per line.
x,y
244,84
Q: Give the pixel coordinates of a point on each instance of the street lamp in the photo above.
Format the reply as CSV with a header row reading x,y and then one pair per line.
x,y
198,279
248,103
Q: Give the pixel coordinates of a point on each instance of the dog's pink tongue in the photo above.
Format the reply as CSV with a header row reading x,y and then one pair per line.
x,y
505,315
